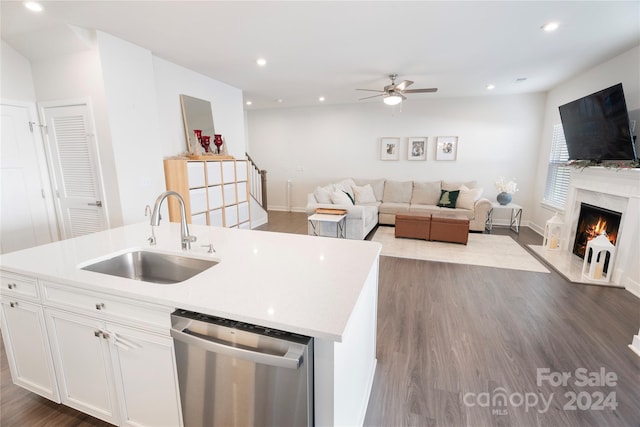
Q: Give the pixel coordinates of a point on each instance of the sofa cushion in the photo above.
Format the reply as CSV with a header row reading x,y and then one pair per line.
x,y
339,197
323,194
346,185
376,184
450,186
393,208
425,193
364,194
448,198
397,192
468,197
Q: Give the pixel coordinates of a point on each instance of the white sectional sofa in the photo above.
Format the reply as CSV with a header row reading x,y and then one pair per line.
x,y
369,202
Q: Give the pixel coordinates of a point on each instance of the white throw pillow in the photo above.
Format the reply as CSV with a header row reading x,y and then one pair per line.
x,y
346,185
339,197
322,194
468,197
364,194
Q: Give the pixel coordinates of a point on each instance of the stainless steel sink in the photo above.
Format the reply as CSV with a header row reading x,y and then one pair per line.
x,y
151,267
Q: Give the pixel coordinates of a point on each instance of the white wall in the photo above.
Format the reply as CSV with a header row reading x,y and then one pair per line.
x,y
171,81
623,68
498,136
128,77
16,80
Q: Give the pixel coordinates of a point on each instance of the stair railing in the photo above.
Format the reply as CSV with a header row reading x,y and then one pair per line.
x,y
258,183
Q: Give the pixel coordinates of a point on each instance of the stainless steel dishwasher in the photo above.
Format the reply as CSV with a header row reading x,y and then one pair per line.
x,y
236,374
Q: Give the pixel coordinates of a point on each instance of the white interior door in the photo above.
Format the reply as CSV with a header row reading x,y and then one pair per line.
x,y
76,169
25,220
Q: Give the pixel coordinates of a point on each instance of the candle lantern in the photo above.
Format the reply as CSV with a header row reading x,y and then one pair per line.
x,y
553,233
598,259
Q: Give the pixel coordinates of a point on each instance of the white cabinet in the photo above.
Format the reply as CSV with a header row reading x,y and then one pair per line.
x,y
27,347
83,364
145,378
218,187
101,354
116,373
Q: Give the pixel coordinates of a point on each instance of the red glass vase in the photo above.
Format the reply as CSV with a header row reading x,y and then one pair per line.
x,y
217,141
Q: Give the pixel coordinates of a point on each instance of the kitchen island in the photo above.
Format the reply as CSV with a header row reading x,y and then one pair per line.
x,y
321,287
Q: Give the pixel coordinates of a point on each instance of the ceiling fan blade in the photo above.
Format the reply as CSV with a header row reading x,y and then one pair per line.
x,y
372,96
430,90
372,90
404,84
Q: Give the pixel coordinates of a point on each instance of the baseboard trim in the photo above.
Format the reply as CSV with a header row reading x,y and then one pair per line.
x,y
633,287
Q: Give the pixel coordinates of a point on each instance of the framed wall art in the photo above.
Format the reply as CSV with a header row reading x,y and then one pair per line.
x,y
389,148
447,148
417,148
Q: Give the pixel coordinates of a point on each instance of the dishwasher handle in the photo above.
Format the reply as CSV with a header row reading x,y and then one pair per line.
x,y
291,360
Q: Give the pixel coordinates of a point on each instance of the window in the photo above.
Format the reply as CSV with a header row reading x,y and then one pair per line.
x,y
555,191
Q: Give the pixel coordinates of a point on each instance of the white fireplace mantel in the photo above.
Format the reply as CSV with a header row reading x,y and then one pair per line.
x,y
613,189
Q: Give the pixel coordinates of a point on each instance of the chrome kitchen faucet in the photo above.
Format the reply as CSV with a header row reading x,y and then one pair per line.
x,y
185,238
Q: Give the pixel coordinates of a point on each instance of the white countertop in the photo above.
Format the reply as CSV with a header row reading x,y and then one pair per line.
x,y
302,284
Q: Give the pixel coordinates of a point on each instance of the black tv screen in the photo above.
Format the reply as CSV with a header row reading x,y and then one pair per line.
x,y
596,127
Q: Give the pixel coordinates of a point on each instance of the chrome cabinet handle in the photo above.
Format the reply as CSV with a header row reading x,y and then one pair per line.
x,y
13,304
98,203
11,286
100,306
97,334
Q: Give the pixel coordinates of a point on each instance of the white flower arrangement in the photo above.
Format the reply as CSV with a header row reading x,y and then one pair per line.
x,y
506,187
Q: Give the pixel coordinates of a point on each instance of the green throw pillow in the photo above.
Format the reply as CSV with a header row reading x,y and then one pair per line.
x,y
448,198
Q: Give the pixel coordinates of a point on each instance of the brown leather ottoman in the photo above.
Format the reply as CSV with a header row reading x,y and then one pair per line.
x,y
413,225
450,228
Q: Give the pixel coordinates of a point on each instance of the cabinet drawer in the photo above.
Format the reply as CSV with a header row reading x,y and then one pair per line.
x,y
241,170
231,216
19,286
229,194
214,173
200,219
105,306
198,200
215,218
229,171
215,197
243,212
242,192
195,172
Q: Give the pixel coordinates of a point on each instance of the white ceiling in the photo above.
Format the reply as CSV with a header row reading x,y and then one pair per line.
x,y
321,48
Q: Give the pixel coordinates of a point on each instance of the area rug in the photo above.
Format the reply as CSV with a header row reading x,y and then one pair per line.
x,y
487,250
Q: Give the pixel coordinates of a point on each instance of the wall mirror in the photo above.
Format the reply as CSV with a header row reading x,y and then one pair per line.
x,y
197,114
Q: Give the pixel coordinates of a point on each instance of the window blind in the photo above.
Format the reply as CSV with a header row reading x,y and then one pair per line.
x,y
558,175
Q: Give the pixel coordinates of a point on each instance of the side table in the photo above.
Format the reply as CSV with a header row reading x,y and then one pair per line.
x,y
516,216
315,223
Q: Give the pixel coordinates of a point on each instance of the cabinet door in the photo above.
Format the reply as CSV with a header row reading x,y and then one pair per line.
x,y
83,364
27,348
146,377
195,173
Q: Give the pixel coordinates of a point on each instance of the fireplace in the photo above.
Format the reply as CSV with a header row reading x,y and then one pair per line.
x,y
592,222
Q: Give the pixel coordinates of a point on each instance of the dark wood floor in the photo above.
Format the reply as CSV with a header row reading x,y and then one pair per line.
x,y
451,336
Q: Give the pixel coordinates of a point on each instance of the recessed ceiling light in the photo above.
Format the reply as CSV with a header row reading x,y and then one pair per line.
x,y
279,100
249,103
33,6
321,99
261,62
550,26
491,87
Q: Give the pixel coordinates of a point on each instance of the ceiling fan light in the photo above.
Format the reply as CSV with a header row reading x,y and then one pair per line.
x,y
392,99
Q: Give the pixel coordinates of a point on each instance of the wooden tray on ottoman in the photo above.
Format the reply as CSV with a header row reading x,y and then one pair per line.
x,y
413,225
331,211
450,228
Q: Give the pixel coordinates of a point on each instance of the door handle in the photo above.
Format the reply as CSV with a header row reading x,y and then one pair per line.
x,y
98,203
292,359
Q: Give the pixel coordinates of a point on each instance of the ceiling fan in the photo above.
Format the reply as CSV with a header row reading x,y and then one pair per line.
x,y
394,93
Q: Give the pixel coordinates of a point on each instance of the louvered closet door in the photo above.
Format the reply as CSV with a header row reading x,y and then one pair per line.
x,y
76,169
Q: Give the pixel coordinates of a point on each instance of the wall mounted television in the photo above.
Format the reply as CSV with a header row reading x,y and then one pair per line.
x,y
596,127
